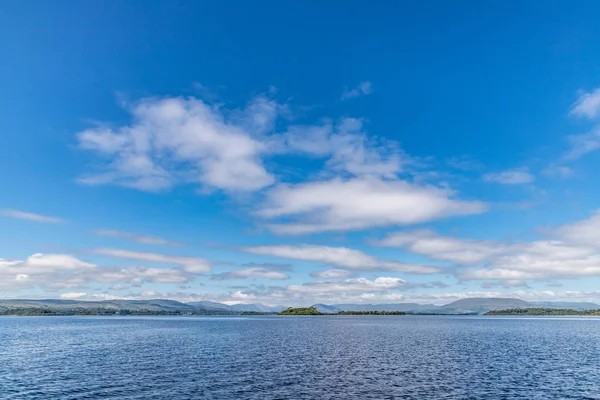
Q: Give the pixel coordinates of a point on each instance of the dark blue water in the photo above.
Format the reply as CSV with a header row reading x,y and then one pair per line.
x,y
299,358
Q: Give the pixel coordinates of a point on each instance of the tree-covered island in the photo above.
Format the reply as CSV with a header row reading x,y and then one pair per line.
x,y
314,311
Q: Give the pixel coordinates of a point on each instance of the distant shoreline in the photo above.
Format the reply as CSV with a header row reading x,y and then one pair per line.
x,y
544,312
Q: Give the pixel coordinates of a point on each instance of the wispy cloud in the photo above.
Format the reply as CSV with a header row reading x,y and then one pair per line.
x,y
151,240
188,264
517,176
362,285
581,145
559,171
332,274
587,105
340,257
363,89
464,163
445,248
29,216
573,252
251,273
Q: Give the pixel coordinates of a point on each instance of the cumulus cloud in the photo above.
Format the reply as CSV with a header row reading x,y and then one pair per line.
x,y
142,239
331,274
183,140
360,203
340,257
29,216
188,264
363,88
247,273
587,105
176,140
517,176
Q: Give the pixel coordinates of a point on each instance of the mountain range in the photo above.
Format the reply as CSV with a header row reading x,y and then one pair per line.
x,y
463,306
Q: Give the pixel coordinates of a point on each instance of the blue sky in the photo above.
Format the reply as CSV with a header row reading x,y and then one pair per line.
x,y
293,152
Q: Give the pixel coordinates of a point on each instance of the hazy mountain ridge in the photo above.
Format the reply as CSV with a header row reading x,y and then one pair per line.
x,y
463,306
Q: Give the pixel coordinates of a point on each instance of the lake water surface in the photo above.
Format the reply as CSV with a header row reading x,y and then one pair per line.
x,y
350,357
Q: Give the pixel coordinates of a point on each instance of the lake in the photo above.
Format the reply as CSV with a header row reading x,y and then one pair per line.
x,y
270,357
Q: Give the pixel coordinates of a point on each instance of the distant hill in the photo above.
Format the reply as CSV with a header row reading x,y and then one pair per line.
x,y
483,305
570,305
158,305
210,305
325,309
162,306
463,306
256,308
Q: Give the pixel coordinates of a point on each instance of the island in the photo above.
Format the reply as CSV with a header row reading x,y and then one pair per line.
x,y
543,311
314,311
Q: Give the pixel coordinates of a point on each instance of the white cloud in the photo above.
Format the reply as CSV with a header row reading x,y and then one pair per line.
x,y
29,216
44,270
72,295
517,176
331,274
360,203
585,232
464,163
142,239
346,145
183,140
251,273
363,88
446,248
44,263
339,257
582,144
349,285
574,253
560,171
588,105
193,265
177,140
60,271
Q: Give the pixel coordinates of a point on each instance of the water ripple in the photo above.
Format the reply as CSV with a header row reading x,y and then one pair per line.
x,y
56,358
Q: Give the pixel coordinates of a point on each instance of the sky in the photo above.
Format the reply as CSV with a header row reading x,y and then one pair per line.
x,y
292,153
